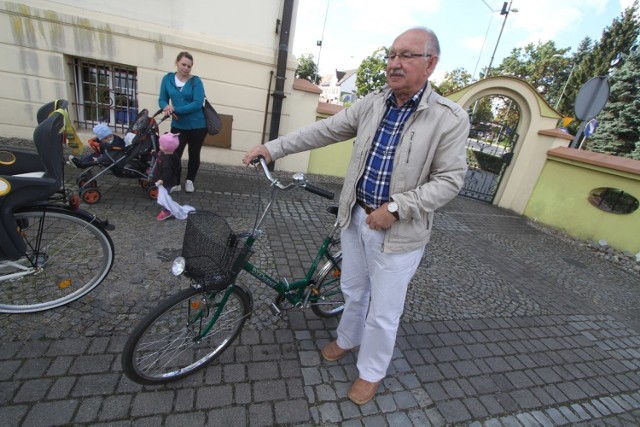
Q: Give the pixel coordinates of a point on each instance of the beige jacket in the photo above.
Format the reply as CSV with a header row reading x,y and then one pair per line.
x,y
428,168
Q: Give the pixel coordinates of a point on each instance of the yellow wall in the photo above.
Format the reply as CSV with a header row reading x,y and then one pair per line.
x,y
560,200
331,160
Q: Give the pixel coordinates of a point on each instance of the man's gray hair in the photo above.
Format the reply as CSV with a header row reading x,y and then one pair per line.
x,y
433,44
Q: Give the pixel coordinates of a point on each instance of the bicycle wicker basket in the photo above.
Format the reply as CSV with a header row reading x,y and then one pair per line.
x,y
210,249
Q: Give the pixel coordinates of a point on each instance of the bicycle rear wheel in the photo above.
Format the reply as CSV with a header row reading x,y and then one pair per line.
x,y
328,300
172,341
67,257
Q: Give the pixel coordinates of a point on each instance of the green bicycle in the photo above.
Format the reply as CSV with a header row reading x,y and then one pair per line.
x,y
192,328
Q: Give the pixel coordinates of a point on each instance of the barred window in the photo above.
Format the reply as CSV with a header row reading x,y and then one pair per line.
x,y
613,200
105,92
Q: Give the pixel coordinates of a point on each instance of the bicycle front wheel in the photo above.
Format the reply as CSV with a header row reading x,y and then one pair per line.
x,y
184,334
67,257
328,300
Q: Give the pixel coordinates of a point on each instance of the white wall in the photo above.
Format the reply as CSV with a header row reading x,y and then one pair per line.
x,y
349,85
235,53
238,22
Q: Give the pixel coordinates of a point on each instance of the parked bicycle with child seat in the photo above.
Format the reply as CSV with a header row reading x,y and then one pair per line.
x,y
51,252
195,326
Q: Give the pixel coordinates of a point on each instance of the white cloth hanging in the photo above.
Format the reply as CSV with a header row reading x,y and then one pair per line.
x,y
178,210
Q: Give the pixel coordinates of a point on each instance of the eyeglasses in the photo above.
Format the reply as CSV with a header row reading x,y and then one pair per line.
x,y
405,56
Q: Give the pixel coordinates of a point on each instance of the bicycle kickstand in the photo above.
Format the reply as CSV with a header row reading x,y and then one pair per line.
x,y
275,310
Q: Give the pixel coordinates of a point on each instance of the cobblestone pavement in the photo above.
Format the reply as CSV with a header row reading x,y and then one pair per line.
x,y
505,325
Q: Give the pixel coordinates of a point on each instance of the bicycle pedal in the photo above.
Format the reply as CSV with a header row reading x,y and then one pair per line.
x,y
275,310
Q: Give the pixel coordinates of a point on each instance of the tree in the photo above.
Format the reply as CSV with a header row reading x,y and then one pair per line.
x,y
618,130
453,80
548,69
372,73
617,38
568,77
307,69
539,65
481,111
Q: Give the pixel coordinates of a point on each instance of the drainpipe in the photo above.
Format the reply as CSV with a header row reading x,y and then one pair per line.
x,y
283,50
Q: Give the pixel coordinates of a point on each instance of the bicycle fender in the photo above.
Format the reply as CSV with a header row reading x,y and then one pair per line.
x,y
94,219
326,267
104,225
247,292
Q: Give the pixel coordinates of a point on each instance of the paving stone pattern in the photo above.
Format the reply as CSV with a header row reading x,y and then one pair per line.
x,y
505,325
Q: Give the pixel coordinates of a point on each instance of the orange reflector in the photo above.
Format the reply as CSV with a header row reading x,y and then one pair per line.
x,y
64,284
195,304
336,274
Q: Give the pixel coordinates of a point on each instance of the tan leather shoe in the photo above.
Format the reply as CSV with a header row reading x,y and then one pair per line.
x,y
332,351
362,391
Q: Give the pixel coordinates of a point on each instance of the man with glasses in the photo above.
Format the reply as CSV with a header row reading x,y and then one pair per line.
x,y
408,160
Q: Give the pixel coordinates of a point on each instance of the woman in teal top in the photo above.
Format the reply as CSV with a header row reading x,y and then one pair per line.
x,y
182,93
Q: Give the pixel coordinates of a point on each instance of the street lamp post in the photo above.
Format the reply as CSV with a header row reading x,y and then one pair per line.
x,y
485,37
319,44
506,9
565,86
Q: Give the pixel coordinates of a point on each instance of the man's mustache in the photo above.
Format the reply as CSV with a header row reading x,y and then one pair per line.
x,y
398,73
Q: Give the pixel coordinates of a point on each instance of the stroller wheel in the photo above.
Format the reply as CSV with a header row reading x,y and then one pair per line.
x,y
152,192
91,195
83,182
143,183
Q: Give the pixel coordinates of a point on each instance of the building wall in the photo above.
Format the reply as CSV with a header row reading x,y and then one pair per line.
x,y
235,53
560,198
349,85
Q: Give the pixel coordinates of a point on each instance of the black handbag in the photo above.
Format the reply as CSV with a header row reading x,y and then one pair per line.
x,y
214,124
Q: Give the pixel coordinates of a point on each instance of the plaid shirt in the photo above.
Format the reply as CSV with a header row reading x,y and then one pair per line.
x,y
373,186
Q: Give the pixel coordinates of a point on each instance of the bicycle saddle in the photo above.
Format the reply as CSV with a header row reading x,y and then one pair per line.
x,y
45,111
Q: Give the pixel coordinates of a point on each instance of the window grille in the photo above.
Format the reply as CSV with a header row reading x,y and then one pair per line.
x,y
107,93
613,200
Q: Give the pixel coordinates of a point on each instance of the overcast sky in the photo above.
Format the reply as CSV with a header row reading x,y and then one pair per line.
x,y
468,29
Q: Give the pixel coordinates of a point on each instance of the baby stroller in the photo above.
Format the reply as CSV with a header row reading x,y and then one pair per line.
x,y
136,160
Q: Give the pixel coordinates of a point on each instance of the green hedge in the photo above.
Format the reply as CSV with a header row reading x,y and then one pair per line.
x,y
484,161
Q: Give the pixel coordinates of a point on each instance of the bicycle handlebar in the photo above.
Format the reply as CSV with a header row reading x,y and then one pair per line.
x,y
319,191
299,181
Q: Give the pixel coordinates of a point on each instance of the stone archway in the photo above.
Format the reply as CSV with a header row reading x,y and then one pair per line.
x,y
536,116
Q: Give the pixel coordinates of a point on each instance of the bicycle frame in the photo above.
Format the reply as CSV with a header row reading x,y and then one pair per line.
x,y
214,319
282,286
298,292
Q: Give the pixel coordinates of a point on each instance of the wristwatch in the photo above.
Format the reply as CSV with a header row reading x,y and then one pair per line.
x,y
392,208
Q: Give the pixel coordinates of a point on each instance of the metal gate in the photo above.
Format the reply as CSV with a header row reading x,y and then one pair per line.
x,y
489,152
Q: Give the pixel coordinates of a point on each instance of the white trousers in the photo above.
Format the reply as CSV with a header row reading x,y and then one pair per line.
x,y
374,286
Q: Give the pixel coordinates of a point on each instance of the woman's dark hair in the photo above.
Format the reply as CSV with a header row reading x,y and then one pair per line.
x,y
184,55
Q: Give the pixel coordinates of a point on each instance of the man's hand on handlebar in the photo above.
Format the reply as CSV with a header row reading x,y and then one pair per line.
x,y
254,153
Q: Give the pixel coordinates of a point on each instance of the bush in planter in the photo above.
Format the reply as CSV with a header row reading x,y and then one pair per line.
x,y
484,161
